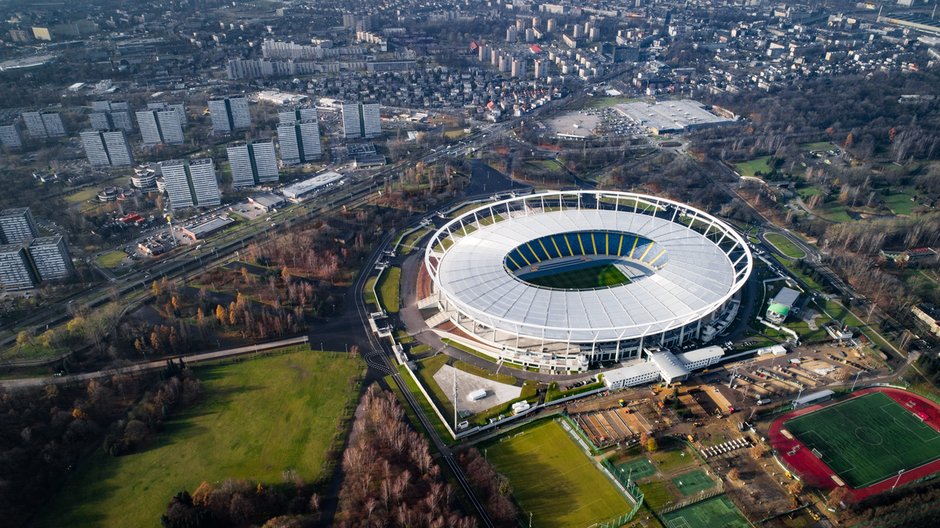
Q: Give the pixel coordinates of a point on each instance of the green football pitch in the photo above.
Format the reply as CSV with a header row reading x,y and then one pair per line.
x,y
717,511
553,479
867,439
637,469
582,279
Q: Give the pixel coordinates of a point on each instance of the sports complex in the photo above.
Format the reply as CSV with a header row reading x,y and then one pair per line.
x,y
871,442
563,281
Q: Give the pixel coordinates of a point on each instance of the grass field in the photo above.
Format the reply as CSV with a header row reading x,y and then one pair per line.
x,y
817,146
554,480
388,289
111,259
763,165
867,439
785,246
693,482
367,291
255,419
900,203
408,243
717,511
657,494
582,279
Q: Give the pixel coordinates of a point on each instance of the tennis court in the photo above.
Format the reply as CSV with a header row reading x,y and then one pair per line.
x,y
717,511
867,439
693,482
637,469
553,479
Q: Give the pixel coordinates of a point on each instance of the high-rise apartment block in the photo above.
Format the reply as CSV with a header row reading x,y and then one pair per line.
x,y
361,120
191,184
10,136
42,125
229,114
15,269
299,135
253,163
107,115
50,258
107,149
160,126
17,225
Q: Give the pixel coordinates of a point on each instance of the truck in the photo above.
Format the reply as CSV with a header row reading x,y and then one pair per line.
x,y
476,395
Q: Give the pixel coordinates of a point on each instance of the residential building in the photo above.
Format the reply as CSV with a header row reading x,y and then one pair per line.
x,y
50,257
191,184
300,141
43,125
17,225
160,126
107,115
288,117
10,136
253,163
178,107
107,149
229,114
15,270
361,120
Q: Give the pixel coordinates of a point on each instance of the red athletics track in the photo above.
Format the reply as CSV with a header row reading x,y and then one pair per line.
x,y
815,472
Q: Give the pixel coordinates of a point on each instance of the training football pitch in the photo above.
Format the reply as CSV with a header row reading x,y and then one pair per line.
x,y
867,439
553,479
717,511
582,279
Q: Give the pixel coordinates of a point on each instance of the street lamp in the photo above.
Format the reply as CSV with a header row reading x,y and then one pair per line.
x,y
898,479
859,373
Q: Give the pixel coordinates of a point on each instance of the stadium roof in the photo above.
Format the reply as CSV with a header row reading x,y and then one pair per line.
x,y
695,280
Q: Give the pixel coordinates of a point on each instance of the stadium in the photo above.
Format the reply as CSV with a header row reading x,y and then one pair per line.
x,y
566,281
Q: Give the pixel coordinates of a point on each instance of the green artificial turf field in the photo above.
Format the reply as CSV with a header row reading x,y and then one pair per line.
x,y
867,439
255,419
693,482
553,479
717,511
582,279
785,246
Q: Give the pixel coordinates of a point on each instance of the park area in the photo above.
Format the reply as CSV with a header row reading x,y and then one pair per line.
x,y
867,439
553,479
717,511
601,276
254,420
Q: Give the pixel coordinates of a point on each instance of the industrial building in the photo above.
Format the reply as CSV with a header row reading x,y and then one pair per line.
x,y
319,182
663,117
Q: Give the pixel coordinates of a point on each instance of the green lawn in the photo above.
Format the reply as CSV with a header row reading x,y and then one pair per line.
x,y
900,203
256,419
368,291
550,166
867,439
553,479
657,494
600,276
808,191
408,243
834,212
817,146
717,511
83,195
693,482
111,259
388,289
785,246
763,165
672,454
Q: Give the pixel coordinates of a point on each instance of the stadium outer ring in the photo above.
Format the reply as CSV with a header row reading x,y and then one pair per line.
x,y
741,269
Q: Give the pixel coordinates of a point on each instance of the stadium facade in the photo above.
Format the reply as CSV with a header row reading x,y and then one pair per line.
x,y
677,272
